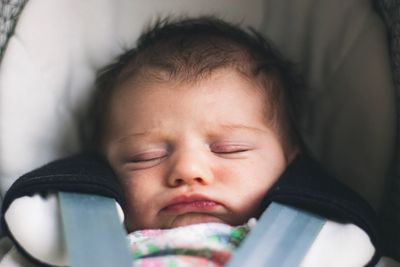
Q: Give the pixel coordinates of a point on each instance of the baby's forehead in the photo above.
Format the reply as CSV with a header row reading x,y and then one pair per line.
x,y
156,88
152,80
225,91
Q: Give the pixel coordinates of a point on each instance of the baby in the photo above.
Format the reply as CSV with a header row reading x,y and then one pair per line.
x,y
195,123
198,124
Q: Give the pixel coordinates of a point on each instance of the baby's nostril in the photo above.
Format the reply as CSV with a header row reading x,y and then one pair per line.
x,y
199,179
178,181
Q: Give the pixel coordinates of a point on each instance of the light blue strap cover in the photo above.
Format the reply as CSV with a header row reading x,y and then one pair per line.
x,y
93,233
282,237
95,237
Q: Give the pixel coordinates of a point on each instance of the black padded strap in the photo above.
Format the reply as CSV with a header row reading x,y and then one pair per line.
x,y
83,173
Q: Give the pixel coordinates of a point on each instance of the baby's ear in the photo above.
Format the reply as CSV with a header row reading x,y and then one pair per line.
x,y
31,214
292,154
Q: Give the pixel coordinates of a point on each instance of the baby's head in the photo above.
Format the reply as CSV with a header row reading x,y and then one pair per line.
x,y
196,121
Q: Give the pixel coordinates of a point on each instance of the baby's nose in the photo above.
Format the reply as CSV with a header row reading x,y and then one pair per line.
x,y
189,170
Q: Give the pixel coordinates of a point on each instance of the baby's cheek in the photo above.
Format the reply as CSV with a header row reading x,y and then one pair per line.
x,y
136,217
252,196
135,201
142,204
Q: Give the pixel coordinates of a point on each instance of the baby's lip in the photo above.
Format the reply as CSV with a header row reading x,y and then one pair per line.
x,y
190,203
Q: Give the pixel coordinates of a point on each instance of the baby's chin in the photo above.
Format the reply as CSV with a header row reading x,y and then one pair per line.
x,y
177,221
193,218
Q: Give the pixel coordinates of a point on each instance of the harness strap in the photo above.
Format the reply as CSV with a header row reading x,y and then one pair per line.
x,y
282,237
93,234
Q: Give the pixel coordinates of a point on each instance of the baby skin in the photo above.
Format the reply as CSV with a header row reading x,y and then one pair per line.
x,y
193,152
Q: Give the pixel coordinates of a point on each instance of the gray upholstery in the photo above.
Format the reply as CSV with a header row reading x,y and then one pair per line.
x,y
10,9
390,10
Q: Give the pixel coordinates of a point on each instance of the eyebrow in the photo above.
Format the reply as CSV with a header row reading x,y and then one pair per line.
x,y
133,135
238,126
226,126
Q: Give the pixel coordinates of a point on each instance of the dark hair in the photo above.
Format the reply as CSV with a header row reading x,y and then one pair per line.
x,y
188,50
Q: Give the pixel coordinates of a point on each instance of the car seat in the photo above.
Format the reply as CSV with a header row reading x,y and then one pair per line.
x,y
347,51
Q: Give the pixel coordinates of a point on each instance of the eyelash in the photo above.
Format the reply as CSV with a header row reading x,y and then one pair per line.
x,y
229,149
148,157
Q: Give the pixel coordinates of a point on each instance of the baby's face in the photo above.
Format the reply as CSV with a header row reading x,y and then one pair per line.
x,y
192,153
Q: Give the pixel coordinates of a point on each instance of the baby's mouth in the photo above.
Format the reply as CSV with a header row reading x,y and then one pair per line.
x,y
193,203
193,209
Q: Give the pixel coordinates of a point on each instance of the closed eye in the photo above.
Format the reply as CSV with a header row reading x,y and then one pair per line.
x,y
229,148
146,159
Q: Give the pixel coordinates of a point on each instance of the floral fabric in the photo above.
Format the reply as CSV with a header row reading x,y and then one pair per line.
x,y
200,245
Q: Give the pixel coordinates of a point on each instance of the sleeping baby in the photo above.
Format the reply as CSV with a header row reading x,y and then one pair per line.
x,y
198,123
